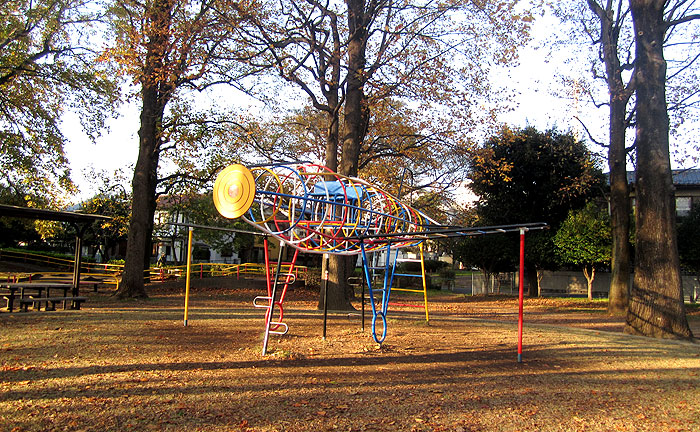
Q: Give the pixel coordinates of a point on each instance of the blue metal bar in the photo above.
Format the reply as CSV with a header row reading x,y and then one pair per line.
x,y
375,314
368,277
388,278
391,279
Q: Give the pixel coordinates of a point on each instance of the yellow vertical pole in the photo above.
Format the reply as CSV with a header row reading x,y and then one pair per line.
x,y
187,279
425,287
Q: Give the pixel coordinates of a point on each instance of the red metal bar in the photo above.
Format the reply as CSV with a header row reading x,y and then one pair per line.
x,y
267,267
521,282
289,276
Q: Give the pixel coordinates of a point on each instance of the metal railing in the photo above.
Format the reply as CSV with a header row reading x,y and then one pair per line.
x,y
110,274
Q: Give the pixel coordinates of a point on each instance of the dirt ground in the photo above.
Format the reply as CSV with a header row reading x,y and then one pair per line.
x,y
133,365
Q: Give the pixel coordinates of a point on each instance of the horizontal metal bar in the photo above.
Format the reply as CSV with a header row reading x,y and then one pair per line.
x,y
450,232
406,290
218,228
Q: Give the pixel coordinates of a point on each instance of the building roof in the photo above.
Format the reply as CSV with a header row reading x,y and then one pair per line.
x,y
681,177
44,214
686,177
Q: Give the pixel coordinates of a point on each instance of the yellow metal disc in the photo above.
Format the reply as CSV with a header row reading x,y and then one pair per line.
x,y
234,191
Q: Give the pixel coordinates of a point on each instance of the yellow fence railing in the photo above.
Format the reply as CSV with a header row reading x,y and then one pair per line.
x,y
111,273
201,270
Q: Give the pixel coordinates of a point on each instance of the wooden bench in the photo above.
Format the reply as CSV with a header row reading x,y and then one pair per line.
x,y
75,302
9,300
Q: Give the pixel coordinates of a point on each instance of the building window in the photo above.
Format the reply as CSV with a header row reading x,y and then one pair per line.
x,y
683,205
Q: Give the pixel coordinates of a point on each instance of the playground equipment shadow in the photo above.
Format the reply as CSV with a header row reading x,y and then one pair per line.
x,y
117,366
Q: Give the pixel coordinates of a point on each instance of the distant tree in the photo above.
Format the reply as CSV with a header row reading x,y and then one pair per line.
x,y
584,239
109,233
689,243
492,254
199,209
14,231
523,176
656,306
47,65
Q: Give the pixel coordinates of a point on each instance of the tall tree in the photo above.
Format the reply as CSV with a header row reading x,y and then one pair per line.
x,y
168,47
613,20
656,300
400,49
607,27
47,65
432,54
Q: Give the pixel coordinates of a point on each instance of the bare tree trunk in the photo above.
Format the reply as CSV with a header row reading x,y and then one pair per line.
x,y
340,293
531,281
590,276
142,209
356,109
610,23
339,268
619,208
620,227
656,306
356,120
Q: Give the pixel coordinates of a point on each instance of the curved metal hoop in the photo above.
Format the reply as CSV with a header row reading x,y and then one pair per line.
x,y
374,327
316,210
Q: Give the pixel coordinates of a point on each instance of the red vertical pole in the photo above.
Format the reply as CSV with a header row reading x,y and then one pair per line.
x,y
521,282
289,276
267,267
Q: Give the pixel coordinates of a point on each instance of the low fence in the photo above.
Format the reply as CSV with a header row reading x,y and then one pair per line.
x,y
552,284
477,283
202,270
110,274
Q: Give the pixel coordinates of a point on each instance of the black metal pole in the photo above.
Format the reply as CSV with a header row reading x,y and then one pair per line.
x,y
363,302
77,262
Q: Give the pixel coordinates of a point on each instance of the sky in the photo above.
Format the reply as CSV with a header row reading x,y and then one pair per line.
x,y
116,148
118,145
534,81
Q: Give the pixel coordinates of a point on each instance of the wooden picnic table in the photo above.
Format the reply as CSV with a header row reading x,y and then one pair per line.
x,y
31,292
